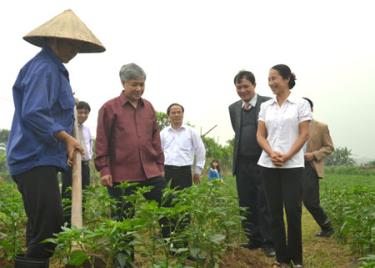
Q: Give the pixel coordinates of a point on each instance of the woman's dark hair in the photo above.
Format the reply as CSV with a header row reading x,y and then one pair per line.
x,y
218,165
310,102
83,105
286,73
174,104
244,75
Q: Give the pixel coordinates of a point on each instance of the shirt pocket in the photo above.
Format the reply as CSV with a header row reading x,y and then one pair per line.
x,y
66,101
186,144
66,98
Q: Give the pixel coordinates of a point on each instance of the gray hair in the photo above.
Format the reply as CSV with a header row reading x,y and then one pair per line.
x,y
131,71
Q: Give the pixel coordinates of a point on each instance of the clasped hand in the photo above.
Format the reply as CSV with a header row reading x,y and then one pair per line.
x,y
278,159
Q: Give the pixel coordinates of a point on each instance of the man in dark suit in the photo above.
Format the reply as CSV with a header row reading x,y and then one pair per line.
x,y
317,148
244,118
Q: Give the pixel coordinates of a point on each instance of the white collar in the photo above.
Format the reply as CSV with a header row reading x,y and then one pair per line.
x,y
252,102
291,98
170,128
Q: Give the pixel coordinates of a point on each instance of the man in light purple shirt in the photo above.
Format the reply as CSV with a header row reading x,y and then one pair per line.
x,y
128,139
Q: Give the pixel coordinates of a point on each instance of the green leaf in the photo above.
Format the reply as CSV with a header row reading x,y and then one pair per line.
x,y
217,238
77,258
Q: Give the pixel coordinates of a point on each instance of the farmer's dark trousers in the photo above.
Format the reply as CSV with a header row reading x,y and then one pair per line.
x,y
42,201
284,189
311,198
179,177
251,195
67,182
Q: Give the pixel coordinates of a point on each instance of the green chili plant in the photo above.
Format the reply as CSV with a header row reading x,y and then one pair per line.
x,y
97,205
71,246
213,214
12,221
110,241
367,262
164,251
351,208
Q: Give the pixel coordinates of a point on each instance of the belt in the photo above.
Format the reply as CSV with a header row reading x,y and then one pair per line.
x,y
85,163
176,167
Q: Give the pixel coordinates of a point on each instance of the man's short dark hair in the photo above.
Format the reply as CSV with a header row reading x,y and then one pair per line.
x,y
174,104
83,105
249,76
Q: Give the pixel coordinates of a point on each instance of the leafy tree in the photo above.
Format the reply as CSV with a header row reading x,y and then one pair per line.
x,y
4,174
342,156
370,164
4,134
162,119
219,152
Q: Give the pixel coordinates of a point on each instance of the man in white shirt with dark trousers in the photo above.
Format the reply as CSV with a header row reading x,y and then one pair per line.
x,y
86,140
181,144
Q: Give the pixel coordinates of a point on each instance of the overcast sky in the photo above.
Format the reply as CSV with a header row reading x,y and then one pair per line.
x,y
192,49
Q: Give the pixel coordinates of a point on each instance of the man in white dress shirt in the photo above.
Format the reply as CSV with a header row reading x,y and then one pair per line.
x,y
86,140
181,144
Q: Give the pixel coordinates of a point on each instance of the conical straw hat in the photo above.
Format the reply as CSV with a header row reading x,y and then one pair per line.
x,y
66,25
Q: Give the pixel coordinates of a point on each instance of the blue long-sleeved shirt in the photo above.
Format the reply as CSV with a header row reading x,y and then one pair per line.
x,y
44,105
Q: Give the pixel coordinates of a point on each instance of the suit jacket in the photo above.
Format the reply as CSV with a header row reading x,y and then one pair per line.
x,y
320,144
235,110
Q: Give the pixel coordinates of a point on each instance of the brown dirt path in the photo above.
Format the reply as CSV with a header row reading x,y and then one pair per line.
x,y
317,252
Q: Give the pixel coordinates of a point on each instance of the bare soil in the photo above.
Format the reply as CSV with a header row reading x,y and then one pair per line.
x,y
245,258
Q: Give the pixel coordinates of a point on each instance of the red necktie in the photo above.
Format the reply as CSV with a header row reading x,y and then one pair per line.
x,y
246,106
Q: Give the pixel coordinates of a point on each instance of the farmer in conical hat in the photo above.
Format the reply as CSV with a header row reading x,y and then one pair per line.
x,y
40,142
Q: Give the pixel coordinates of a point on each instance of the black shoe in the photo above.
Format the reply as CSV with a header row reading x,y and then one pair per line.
x,y
198,258
325,233
24,262
278,264
251,245
192,258
269,252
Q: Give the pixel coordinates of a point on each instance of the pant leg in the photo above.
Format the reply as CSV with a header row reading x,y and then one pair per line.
x,y
85,176
264,218
179,179
42,201
122,209
167,224
156,193
247,180
125,209
292,196
67,193
66,183
273,189
311,196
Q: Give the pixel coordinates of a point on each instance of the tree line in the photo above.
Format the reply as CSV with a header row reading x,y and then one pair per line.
x,y
342,156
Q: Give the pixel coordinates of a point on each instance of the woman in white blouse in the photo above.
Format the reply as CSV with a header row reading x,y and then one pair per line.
x,y
283,129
